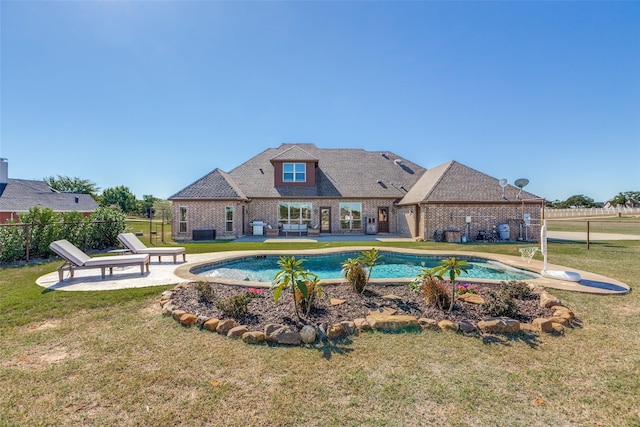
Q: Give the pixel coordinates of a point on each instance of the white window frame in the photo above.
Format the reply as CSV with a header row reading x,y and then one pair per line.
x,y
298,172
349,221
182,219
303,208
228,219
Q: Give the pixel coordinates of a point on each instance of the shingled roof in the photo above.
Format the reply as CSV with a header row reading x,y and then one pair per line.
x,y
215,185
351,173
341,173
455,182
19,195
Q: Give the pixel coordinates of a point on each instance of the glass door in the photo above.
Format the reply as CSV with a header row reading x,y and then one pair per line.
x,y
325,220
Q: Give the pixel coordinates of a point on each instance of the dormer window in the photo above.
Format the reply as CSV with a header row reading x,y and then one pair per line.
x,y
294,172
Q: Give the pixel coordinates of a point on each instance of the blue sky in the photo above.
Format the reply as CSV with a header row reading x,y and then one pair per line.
x,y
154,95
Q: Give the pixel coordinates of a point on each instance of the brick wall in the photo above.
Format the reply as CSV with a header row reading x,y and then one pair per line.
x,y
439,217
211,215
407,221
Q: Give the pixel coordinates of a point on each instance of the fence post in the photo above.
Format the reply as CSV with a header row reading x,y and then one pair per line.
x,y
27,239
588,229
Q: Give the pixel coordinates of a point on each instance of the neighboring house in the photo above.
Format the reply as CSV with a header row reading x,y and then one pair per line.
x,y
350,191
17,196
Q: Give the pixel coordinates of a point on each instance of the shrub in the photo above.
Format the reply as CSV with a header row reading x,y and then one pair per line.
x,y
104,232
429,283
435,291
358,270
307,296
294,277
235,306
466,289
500,304
205,291
43,229
254,292
355,274
11,243
516,289
75,228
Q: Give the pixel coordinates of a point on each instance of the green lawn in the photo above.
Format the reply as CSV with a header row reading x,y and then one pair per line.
x,y
110,358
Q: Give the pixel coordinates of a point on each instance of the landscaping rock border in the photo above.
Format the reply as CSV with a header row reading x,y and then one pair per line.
x,y
385,321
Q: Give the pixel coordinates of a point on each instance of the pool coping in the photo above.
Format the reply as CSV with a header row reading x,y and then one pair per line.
x,y
535,266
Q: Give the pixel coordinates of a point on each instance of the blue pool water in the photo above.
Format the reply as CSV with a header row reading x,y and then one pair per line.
x,y
390,266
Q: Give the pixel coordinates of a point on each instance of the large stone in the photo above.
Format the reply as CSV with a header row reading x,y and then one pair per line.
x,y
211,324
541,324
392,323
362,324
466,327
225,326
448,325
253,337
383,311
188,319
237,331
470,298
335,331
308,334
560,320
349,327
499,325
177,313
392,297
564,312
287,336
337,301
547,300
557,328
430,324
269,329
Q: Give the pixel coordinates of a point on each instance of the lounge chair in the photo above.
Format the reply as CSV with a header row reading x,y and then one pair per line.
x,y
131,242
75,259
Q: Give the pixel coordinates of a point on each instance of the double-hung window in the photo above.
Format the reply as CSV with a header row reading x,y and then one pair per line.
x,y
294,172
228,218
182,220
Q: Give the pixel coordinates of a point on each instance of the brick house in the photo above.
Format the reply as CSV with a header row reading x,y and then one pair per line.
x,y
17,196
303,189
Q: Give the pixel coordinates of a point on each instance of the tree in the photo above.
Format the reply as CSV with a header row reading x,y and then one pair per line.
x,y
122,197
629,199
65,184
163,208
577,201
147,204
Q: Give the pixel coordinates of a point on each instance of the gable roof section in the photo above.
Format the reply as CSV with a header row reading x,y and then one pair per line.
x,y
215,185
294,153
19,195
455,182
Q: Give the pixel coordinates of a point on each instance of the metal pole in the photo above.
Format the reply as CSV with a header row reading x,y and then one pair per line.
x,y
588,227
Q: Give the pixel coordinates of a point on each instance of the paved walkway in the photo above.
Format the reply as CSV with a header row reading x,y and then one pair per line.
x,y
169,273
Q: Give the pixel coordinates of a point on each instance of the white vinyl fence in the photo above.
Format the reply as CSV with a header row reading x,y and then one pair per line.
x,y
587,212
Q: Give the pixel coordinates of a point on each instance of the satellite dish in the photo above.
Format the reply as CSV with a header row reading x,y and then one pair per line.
x,y
521,183
503,183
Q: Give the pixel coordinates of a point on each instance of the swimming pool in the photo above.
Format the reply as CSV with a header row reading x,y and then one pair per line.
x,y
392,265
